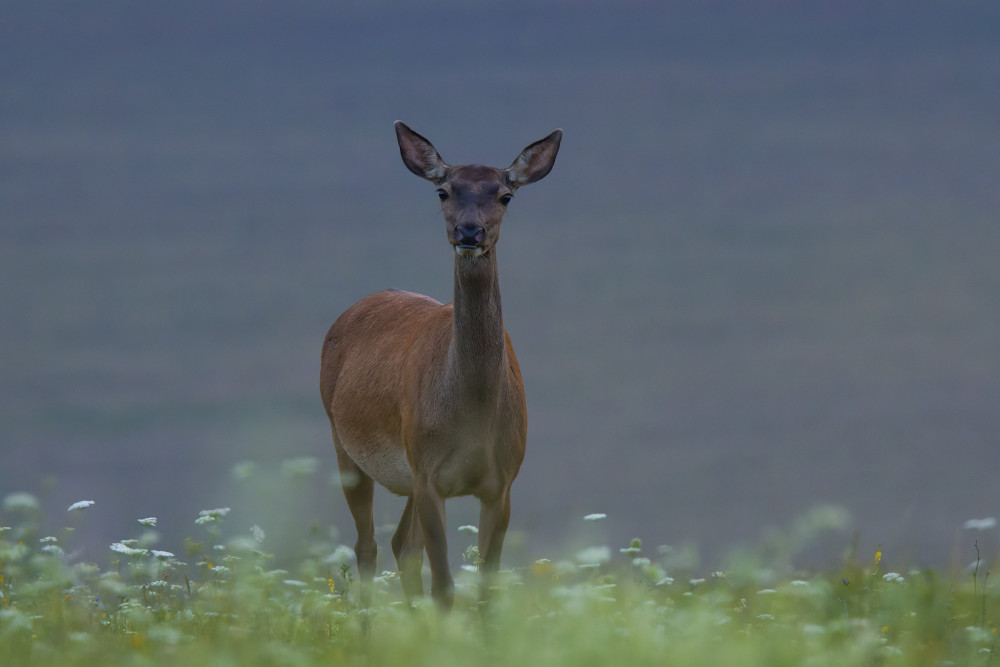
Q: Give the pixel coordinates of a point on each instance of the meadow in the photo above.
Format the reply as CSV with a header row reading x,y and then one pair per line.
x,y
221,598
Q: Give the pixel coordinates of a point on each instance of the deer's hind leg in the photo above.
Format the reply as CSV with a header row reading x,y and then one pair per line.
x,y
359,491
408,547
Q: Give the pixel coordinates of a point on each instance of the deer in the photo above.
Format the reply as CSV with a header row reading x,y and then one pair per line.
x,y
427,398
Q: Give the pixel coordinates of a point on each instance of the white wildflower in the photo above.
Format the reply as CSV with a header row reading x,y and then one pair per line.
x,y
342,555
594,555
302,466
595,517
257,532
48,540
385,577
468,530
977,634
165,635
893,576
295,583
345,479
125,550
243,544
20,501
81,638
148,522
217,513
79,505
162,555
15,621
210,516
981,524
243,470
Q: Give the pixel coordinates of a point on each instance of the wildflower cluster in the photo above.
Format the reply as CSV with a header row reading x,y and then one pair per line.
x,y
148,597
224,601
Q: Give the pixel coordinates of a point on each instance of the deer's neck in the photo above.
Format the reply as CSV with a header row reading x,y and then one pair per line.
x,y
478,351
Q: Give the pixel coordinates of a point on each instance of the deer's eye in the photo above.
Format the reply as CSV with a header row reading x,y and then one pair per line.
x,y
442,195
506,199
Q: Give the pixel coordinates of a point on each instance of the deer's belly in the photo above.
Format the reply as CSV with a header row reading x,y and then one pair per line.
x,y
386,463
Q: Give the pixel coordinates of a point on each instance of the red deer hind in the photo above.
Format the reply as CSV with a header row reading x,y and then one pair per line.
x,y
426,399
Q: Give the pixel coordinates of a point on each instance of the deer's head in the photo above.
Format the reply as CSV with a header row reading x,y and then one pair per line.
x,y
474,198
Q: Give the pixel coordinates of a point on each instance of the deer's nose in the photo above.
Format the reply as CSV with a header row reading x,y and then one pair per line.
x,y
469,235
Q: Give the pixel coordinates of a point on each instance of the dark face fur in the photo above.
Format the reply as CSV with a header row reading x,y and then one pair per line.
x,y
474,200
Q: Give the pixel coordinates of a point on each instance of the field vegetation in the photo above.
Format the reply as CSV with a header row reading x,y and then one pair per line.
x,y
221,599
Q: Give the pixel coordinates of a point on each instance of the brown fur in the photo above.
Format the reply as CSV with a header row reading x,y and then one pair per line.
x,y
425,398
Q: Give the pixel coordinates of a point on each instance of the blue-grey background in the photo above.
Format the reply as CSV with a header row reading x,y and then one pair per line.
x,y
762,277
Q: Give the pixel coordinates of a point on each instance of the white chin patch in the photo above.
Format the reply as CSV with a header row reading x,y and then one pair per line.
x,y
468,251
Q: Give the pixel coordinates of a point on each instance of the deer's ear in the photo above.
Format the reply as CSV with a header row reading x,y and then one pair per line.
x,y
419,155
535,161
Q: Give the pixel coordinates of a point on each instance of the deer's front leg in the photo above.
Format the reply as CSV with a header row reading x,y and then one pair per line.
x,y
430,510
494,515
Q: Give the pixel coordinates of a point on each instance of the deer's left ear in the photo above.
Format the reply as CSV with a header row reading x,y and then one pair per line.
x,y
419,155
535,161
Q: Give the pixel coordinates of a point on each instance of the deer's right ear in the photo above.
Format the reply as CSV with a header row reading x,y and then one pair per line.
x,y
419,155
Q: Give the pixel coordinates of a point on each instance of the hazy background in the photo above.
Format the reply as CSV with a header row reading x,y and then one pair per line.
x,y
763,275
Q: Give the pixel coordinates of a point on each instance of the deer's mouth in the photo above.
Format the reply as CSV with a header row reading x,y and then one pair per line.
x,y
467,250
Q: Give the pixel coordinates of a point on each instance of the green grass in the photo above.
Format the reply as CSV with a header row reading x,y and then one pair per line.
x,y
221,601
